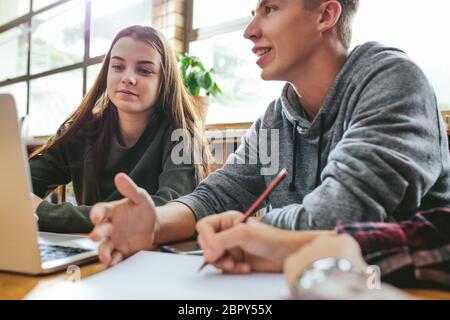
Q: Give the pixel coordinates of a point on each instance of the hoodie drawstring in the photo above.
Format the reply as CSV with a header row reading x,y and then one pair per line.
x,y
294,157
319,152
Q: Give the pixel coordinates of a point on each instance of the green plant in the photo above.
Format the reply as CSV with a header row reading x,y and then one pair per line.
x,y
196,77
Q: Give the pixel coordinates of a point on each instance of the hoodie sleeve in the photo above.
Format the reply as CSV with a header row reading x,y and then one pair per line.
x,y
388,158
234,187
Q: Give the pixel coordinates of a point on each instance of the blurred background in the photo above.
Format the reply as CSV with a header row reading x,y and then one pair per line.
x,y
50,51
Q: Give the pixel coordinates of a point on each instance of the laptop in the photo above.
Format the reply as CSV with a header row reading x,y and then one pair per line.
x,y
23,249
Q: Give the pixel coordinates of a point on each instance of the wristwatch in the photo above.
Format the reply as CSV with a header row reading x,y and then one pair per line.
x,y
318,271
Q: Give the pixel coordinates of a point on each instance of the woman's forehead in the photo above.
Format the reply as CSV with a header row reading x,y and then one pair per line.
x,y
133,49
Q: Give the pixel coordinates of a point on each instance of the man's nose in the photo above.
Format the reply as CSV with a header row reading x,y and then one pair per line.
x,y
252,32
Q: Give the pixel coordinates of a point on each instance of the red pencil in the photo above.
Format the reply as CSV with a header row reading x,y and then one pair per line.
x,y
281,175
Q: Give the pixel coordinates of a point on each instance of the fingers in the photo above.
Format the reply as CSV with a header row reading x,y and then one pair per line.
x,y
208,227
105,210
105,252
107,255
236,237
116,258
101,231
218,222
98,213
229,265
130,190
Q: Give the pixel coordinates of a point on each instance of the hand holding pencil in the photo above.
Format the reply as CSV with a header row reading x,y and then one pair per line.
x,y
219,234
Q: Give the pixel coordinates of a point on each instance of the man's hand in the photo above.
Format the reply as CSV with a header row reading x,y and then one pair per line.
x,y
125,226
236,247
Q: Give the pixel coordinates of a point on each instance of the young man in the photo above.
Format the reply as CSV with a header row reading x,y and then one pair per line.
x,y
362,138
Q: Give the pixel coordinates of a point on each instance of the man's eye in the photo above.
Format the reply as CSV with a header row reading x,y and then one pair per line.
x,y
269,10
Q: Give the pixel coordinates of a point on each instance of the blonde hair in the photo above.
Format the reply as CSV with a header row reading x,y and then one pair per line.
x,y
349,9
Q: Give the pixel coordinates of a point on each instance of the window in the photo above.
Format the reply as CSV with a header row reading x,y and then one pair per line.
x,y
92,72
216,37
51,55
108,19
14,49
19,92
51,101
418,28
209,13
245,95
51,50
11,10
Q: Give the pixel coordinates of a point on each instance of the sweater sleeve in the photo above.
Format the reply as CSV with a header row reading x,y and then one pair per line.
x,y
176,179
49,170
233,187
387,160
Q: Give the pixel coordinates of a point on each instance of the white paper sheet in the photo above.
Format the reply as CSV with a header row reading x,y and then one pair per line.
x,y
154,275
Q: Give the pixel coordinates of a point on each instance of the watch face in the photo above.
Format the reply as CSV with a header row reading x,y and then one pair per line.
x,y
324,264
319,270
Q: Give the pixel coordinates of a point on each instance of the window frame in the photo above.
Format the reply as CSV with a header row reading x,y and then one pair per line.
x,y
209,31
87,60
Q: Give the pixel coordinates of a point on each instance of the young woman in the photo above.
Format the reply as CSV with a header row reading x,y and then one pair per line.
x,y
123,124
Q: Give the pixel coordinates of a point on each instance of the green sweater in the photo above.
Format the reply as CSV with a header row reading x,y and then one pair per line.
x,y
147,162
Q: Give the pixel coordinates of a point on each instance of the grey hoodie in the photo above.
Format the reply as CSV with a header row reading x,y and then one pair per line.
x,y
376,151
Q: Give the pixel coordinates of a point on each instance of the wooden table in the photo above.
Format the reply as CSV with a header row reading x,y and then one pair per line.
x,y
14,286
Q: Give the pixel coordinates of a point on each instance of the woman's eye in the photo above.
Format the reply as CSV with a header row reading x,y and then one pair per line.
x,y
145,71
117,67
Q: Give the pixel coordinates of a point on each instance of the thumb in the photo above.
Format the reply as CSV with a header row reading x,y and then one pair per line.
x,y
129,189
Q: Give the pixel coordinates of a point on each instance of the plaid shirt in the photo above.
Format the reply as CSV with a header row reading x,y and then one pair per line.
x,y
411,253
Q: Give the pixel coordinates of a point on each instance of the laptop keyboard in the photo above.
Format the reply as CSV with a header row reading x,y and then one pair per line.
x,y
54,252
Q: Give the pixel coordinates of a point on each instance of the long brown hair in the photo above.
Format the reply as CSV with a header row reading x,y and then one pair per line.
x,y
96,108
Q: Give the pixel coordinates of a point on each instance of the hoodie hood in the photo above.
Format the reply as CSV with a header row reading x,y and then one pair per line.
x,y
324,121
355,63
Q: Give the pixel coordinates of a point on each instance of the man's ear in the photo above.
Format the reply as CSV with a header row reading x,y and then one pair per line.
x,y
330,13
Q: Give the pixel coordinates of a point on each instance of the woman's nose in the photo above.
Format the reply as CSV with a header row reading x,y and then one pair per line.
x,y
129,78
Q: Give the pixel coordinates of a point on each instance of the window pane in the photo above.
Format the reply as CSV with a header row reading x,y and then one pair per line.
x,y
19,92
246,95
52,49
10,10
208,13
108,19
13,48
92,72
419,34
39,4
52,100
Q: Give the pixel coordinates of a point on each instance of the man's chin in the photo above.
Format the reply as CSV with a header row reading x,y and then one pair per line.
x,y
266,75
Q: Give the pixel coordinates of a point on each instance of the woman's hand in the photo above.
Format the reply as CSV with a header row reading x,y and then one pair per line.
x,y
339,246
35,201
236,247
